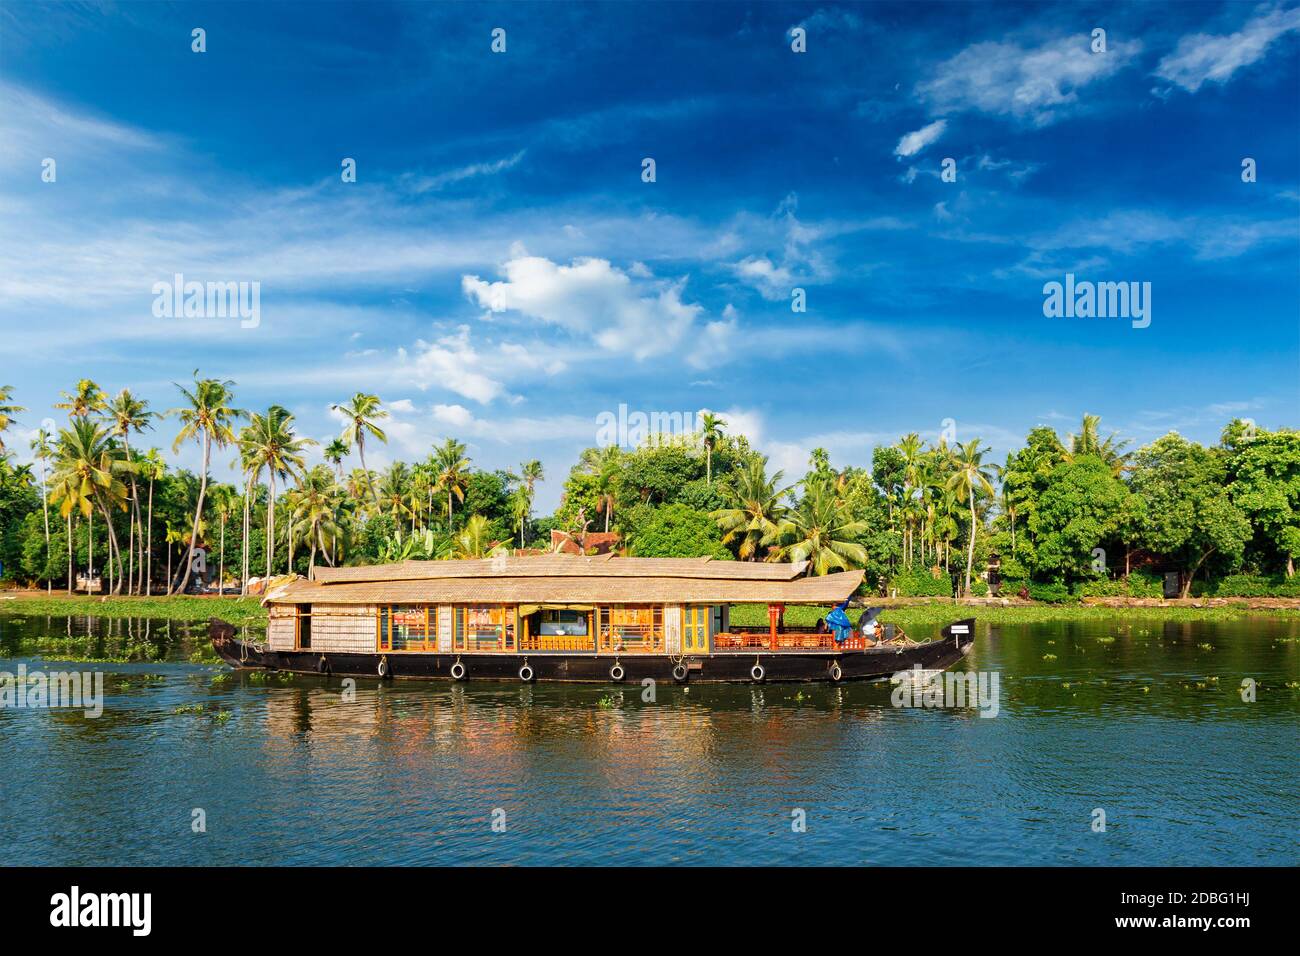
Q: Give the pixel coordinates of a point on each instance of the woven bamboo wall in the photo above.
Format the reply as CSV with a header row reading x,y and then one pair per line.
x,y
444,628
346,629
280,627
673,628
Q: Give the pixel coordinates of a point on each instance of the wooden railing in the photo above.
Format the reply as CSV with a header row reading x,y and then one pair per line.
x,y
557,642
785,641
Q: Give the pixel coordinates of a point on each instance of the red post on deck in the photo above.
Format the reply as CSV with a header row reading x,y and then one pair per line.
x,y
775,612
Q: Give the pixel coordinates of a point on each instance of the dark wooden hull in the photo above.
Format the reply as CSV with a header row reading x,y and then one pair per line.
x,y
877,663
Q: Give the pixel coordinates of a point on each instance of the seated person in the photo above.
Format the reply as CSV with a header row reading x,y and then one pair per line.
x,y
839,623
868,626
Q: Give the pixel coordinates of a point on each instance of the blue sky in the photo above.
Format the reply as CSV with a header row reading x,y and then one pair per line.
x,y
500,272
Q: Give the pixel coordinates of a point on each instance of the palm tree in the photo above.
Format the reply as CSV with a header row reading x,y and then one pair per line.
x,y
152,468
223,500
40,446
362,411
711,427
473,540
910,447
334,453
1088,442
128,413
86,399
754,510
453,471
86,468
971,473
7,412
315,515
268,442
530,473
393,492
209,419
820,531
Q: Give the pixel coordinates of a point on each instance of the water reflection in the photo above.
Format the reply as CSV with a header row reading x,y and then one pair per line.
x,y
1145,719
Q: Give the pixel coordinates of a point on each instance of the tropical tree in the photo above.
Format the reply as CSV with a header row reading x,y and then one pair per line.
x,y
152,468
754,511
1089,442
970,474
87,465
7,412
361,412
821,531
40,446
209,419
127,414
711,428
475,539
86,399
452,468
335,452
268,443
530,473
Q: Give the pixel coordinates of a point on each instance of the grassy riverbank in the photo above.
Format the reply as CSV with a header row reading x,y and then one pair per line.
x,y
241,611
236,610
923,615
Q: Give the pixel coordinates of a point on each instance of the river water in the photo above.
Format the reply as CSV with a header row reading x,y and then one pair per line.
x,y
192,763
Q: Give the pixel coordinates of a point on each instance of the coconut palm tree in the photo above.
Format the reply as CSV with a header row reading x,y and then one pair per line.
x,y
361,412
1089,442
268,442
86,399
754,510
453,471
474,540
224,502
209,419
316,515
394,492
910,447
127,414
970,474
152,468
711,428
40,446
821,531
334,453
87,465
7,413
530,473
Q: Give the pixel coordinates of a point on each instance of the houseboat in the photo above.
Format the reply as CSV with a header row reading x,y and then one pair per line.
x,y
574,618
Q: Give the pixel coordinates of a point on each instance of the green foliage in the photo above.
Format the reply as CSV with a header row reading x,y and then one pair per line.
x,y
676,531
1051,592
1253,585
920,582
1080,508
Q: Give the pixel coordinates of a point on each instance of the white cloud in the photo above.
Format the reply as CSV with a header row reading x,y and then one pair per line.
x,y
402,405
912,143
423,184
594,299
1203,58
453,363
456,415
1035,84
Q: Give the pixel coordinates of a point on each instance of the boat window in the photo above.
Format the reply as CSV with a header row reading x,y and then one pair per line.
x,y
632,627
562,622
407,627
483,628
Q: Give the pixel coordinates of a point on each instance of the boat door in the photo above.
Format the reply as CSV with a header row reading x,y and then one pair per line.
x,y
695,629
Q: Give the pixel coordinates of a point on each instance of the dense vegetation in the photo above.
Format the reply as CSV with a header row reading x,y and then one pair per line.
x,y
1079,516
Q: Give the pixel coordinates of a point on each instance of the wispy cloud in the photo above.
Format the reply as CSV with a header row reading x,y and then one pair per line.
x,y
1202,58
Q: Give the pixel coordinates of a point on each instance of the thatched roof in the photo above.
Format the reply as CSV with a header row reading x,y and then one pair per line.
x,y
548,579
